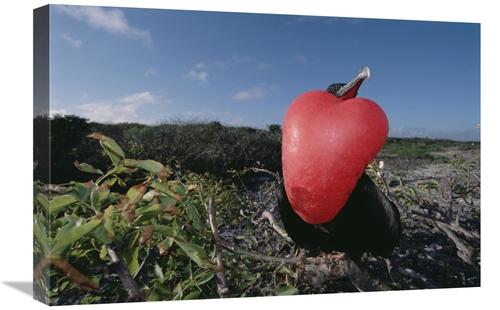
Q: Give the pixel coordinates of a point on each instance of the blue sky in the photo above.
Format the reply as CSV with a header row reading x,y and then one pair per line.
x,y
153,65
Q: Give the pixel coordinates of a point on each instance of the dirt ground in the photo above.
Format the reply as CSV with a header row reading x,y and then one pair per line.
x,y
440,243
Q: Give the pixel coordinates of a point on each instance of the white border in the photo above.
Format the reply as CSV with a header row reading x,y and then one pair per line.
x,y
16,129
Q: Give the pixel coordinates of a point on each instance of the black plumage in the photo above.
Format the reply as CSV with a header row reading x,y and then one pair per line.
x,y
368,222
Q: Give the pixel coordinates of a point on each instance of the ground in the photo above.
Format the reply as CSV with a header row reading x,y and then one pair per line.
x,y
440,243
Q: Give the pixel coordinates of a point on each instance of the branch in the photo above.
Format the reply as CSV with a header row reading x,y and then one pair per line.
x,y
152,252
332,266
219,275
429,217
275,175
463,251
446,227
276,227
313,270
460,229
134,293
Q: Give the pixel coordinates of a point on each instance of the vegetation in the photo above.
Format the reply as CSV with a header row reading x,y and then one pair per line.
x,y
190,145
144,213
421,148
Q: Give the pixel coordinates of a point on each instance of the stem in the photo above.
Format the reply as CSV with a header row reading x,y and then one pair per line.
x,y
133,290
220,275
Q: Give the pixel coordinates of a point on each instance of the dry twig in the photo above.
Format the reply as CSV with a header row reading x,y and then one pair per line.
x,y
219,275
133,290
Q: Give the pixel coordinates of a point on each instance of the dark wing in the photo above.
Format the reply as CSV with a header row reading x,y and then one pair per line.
x,y
369,222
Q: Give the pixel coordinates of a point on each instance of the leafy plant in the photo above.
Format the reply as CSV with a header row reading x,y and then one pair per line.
x,y
151,242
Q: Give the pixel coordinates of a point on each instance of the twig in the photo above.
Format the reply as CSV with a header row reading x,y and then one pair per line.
x,y
152,252
463,251
233,248
275,226
460,229
360,279
429,217
133,290
450,203
417,276
274,174
219,275
313,270
445,226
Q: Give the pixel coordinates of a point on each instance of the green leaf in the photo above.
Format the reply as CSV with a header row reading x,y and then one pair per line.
x,y
60,202
150,210
109,145
193,215
131,257
87,168
195,253
43,201
66,238
248,276
158,272
165,245
166,189
99,195
58,223
135,193
162,289
178,292
165,230
35,188
110,182
286,270
103,254
153,295
84,190
204,277
192,295
109,222
287,290
39,230
148,165
124,169
101,234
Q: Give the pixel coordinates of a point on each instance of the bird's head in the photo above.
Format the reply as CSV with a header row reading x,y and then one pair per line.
x,y
350,90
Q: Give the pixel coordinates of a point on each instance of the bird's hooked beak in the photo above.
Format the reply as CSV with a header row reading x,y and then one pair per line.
x,y
350,90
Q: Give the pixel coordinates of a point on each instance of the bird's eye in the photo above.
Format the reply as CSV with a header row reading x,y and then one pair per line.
x,y
334,88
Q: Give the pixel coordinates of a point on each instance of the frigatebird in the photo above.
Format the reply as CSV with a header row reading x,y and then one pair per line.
x,y
369,222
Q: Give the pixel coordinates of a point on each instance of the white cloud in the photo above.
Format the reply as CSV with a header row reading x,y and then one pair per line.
x,y
200,65
111,20
236,121
221,64
300,58
264,66
205,113
240,59
197,76
139,98
60,112
150,72
254,93
73,42
121,110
